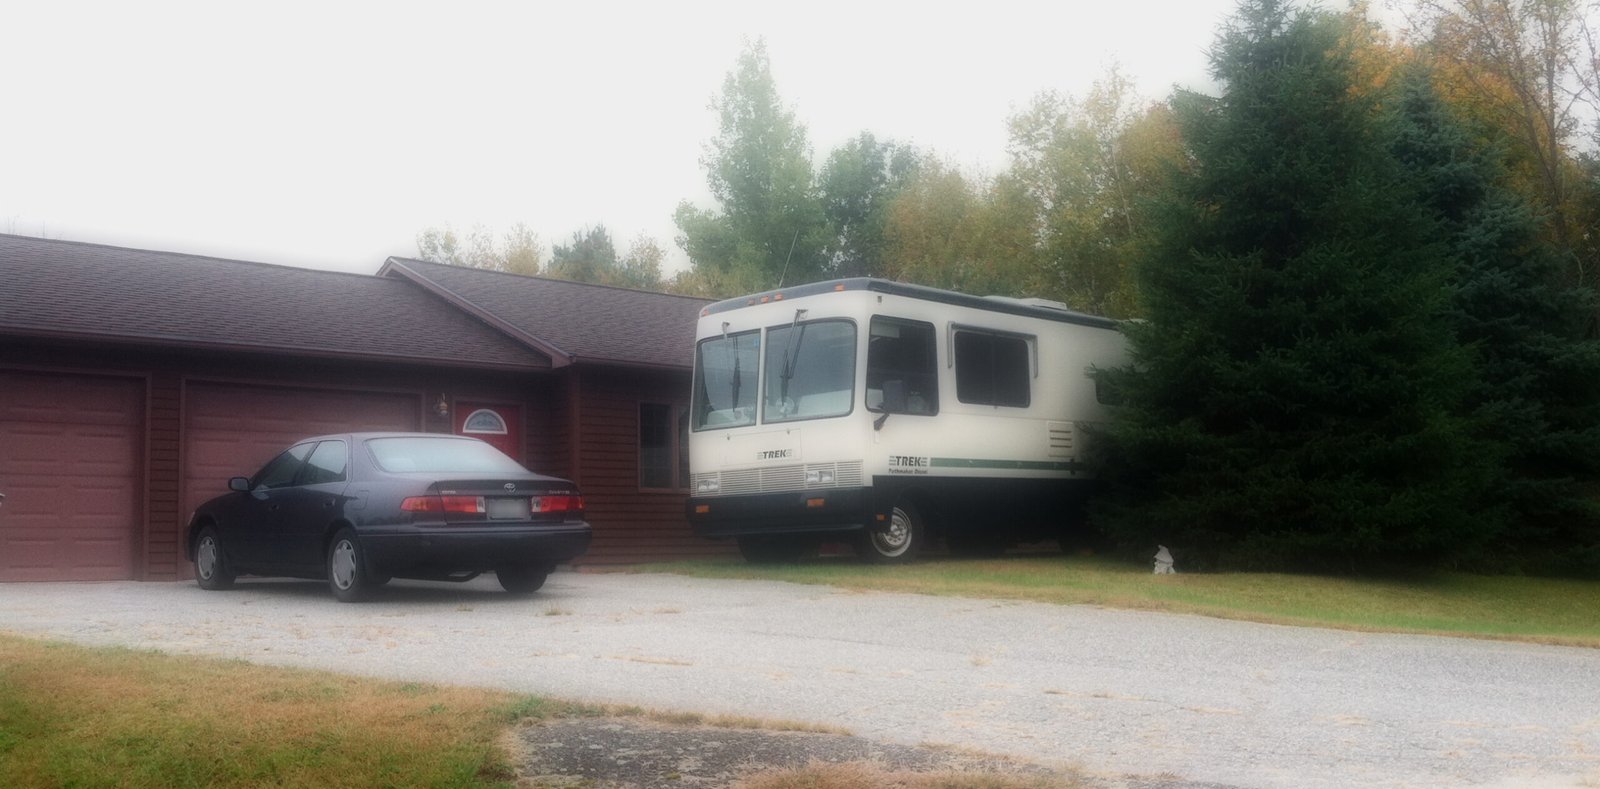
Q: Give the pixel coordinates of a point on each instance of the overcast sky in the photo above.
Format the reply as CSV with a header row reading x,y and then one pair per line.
x,y
329,134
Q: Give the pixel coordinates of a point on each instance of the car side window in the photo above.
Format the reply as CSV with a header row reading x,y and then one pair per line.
x,y
326,464
280,473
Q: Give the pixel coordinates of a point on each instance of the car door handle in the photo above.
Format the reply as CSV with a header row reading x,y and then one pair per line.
x,y
328,503
272,508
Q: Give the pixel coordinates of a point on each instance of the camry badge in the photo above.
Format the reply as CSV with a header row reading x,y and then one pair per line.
x,y
511,486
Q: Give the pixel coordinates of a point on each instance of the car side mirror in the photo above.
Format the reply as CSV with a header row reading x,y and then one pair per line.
x,y
894,396
240,484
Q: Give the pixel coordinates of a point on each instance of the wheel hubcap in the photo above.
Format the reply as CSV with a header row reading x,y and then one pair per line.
x,y
207,556
344,564
895,537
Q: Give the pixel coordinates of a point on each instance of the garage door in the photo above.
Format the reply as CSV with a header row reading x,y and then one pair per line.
x,y
230,431
70,449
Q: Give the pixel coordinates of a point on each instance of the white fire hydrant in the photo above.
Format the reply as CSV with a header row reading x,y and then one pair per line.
x,y
1164,561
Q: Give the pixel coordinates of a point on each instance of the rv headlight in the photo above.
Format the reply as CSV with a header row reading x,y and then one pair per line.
x,y
707,485
818,476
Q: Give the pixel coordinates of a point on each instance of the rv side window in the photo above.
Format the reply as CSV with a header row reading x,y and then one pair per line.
x,y
811,370
992,369
725,380
901,358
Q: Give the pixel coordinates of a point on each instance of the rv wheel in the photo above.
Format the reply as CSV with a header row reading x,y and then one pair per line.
x,y
898,539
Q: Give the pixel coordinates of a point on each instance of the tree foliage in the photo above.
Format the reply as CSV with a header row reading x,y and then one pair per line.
x,y
591,256
517,252
770,226
1524,71
1089,167
1296,393
1535,391
857,185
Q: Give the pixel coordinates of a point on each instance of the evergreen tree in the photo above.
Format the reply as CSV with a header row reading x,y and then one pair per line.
x,y
1536,386
1295,391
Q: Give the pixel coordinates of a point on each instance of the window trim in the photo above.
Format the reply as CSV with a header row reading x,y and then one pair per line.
x,y
676,411
1030,344
866,360
468,430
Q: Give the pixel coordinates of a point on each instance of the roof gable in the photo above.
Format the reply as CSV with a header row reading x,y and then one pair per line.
x,y
579,321
90,291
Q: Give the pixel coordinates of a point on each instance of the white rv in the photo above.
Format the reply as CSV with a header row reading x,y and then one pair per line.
x,y
891,415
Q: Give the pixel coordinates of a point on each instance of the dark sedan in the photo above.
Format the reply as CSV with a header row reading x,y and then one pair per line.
x,y
359,509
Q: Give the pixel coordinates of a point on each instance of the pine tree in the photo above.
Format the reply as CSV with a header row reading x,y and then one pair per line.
x,y
1535,390
1295,396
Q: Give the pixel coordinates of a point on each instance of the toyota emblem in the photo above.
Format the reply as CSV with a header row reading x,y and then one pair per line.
x,y
511,486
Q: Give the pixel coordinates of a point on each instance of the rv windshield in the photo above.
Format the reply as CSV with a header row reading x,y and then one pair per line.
x,y
725,380
811,370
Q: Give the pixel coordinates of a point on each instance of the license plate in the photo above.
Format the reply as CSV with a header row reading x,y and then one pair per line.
x,y
507,509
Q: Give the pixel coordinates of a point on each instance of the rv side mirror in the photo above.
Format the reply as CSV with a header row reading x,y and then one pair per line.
x,y
894,396
240,484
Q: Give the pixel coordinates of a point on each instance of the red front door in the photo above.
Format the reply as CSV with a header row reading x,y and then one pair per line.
x,y
500,425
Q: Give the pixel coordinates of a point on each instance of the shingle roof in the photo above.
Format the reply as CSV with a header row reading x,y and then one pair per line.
x,y
589,323
65,288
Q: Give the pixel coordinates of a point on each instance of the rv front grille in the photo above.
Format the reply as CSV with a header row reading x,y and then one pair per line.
x,y
777,479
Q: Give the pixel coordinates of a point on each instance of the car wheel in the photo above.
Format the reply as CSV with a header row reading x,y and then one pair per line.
x,y
211,570
896,540
347,571
776,549
522,579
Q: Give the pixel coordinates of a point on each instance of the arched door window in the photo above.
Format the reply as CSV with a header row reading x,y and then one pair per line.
x,y
484,421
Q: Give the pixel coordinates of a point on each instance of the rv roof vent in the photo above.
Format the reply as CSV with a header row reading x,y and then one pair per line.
x,y
1033,301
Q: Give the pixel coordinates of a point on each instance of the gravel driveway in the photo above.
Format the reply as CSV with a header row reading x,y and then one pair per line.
x,y
1111,692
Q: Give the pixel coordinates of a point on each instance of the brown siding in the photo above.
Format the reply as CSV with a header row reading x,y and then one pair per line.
x,y
161,555
630,525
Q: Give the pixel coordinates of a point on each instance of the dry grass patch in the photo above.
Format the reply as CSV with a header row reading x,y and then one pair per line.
x,y
71,716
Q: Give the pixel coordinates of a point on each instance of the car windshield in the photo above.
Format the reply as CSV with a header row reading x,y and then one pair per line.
x,y
440,455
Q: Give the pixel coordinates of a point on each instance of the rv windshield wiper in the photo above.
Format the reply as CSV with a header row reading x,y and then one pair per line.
x,y
790,354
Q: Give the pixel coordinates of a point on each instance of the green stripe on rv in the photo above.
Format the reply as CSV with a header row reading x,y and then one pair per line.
x,y
1013,465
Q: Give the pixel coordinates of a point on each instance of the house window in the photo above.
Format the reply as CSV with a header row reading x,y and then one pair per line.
x,y
484,420
663,446
993,369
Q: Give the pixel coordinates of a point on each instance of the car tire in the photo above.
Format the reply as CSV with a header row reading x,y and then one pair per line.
x,y
211,569
347,568
522,579
893,541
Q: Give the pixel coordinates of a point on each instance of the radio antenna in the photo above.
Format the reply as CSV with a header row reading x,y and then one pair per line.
x,y
787,257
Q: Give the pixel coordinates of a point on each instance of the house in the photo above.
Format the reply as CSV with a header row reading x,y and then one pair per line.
x,y
133,383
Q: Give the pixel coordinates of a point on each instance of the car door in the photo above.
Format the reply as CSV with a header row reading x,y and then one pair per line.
x,y
311,504
250,533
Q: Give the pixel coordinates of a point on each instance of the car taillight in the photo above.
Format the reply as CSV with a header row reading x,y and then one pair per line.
x,y
459,504
558,503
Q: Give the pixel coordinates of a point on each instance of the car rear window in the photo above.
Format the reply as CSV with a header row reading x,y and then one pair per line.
x,y
440,455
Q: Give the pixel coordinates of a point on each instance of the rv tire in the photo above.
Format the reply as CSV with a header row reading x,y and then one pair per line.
x,y
896,540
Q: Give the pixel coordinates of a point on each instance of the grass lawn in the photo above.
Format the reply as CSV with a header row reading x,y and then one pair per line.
x,y
1538,610
71,716
112,717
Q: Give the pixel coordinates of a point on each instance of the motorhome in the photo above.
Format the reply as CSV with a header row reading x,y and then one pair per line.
x,y
891,416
